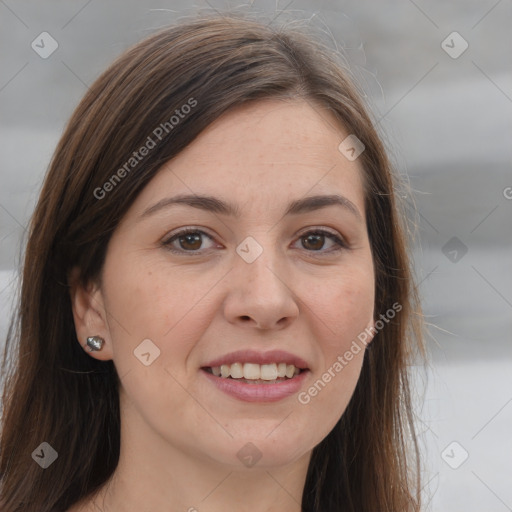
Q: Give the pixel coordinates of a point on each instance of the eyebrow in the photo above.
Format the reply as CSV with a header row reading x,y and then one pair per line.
x,y
216,205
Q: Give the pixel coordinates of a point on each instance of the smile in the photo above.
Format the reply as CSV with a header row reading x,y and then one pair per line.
x,y
252,382
252,372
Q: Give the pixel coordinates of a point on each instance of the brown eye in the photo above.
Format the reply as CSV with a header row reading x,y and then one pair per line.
x,y
314,241
187,241
191,241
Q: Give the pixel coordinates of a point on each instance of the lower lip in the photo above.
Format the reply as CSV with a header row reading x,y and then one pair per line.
x,y
258,392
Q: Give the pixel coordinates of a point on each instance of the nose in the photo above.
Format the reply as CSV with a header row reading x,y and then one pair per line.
x,y
261,294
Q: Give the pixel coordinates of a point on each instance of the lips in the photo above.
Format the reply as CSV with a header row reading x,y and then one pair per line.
x,y
257,390
253,356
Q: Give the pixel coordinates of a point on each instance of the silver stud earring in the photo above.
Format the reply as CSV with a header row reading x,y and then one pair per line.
x,y
95,343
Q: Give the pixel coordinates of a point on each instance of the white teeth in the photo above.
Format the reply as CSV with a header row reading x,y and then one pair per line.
x,y
237,371
268,371
253,371
290,370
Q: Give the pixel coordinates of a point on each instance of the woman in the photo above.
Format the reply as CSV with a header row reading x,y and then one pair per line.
x,y
216,307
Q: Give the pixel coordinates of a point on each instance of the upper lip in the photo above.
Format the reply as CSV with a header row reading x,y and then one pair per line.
x,y
253,356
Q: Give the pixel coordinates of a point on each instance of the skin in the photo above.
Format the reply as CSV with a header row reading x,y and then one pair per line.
x,y
179,434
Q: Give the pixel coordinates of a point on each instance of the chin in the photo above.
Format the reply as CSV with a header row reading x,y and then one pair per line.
x,y
253,452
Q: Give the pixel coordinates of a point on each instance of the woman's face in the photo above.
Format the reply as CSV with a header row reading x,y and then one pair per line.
x,y
172,305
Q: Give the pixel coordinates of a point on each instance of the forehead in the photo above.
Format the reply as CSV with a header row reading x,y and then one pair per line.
x,y
264,131
271,151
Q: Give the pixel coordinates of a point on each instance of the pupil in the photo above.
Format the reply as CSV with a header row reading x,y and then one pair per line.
x,y
191,238
317,238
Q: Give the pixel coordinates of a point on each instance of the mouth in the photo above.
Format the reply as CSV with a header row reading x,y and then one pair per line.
x,y
253,373
252,382
255,376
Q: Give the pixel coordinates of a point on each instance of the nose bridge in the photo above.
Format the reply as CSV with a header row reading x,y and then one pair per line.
x,y
259,261
258,288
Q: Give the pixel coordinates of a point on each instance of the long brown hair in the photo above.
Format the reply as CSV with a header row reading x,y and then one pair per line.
x,y
56,393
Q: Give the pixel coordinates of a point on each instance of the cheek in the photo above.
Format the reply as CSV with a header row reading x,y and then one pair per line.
x,y
154,300
355,303
343,310
343,306
146,294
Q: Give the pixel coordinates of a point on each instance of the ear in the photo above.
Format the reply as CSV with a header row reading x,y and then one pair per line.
x,y
89,315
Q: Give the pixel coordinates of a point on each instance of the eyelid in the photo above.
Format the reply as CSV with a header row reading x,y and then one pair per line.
x,y
323,230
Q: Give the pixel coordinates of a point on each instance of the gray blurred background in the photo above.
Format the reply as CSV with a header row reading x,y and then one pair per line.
x,y
438,78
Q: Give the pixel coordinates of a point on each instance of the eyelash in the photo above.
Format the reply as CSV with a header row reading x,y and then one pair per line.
x,y
337,240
